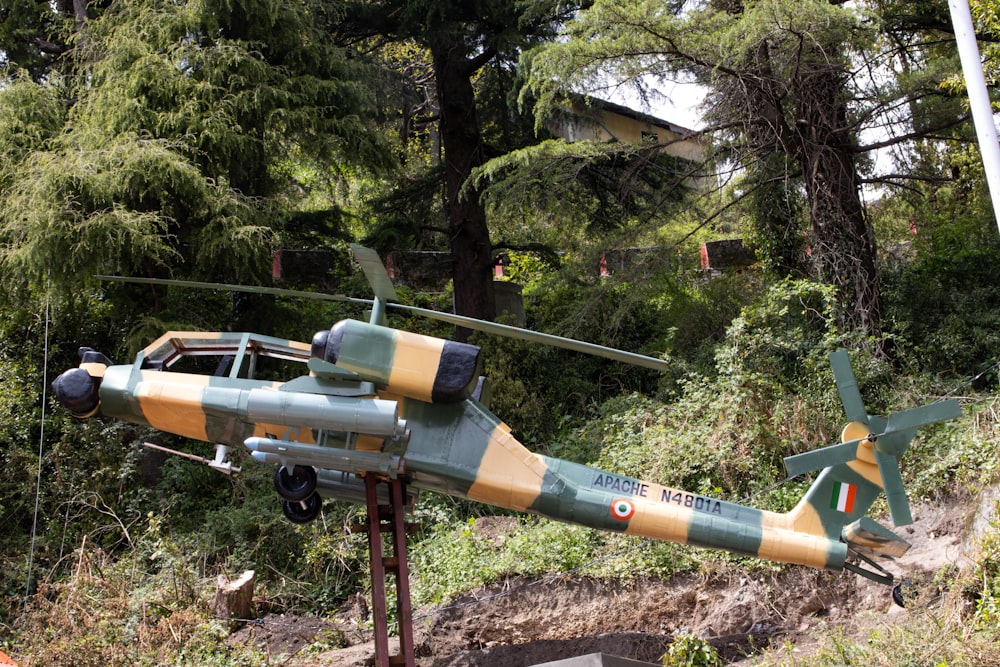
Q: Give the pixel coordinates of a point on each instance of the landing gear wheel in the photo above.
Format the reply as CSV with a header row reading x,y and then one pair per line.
x,y
303,511
297,484
902,592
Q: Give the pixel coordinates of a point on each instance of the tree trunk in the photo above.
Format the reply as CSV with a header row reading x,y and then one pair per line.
x,y
800,114
844,248
461,138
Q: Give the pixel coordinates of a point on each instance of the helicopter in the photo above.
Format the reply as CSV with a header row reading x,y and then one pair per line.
x,y
375,400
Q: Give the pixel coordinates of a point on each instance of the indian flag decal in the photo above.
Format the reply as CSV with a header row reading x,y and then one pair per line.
x,y
622,509
843,497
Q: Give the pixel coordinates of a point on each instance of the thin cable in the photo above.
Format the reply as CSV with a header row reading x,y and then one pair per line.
x,y
970,380
41,451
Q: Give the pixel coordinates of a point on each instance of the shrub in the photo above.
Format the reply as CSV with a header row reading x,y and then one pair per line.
x,y
689,650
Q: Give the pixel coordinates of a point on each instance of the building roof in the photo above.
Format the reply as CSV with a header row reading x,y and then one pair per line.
x,y
621,110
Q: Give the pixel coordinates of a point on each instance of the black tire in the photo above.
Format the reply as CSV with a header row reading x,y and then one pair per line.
x,y
297,484
904,592
303,511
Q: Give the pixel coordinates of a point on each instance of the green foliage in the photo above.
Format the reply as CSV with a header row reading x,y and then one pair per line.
x,y
145,609
986,18
239,84
689,650
942,305
629,559
696,317
457,557
30,117
549,547
787,324
402,214
171,150
531,381
334,559
985,578
75,211
449,562
33,35
776,224
611,185
958,456
589,54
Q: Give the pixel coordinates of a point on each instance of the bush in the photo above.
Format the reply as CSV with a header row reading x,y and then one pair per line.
x,y
688,650
142,609
942,304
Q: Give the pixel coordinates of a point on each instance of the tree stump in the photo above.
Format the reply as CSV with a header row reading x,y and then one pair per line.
x,y
234,598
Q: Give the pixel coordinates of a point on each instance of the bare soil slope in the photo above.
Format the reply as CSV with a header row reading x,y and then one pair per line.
x,y
522,623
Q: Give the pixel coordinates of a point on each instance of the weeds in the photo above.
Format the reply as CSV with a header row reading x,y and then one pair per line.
x,y
147,608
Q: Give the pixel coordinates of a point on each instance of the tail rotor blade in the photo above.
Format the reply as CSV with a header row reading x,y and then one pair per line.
x,y
906,420
890,437
895,493
847,386
824,457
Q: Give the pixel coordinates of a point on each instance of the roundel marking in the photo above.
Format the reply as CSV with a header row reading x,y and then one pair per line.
x,y
622,509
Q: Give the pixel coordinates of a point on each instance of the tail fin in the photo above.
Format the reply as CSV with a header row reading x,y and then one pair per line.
x,y
863,464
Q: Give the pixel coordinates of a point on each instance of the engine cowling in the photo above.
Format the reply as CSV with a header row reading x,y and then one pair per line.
x,y
404,363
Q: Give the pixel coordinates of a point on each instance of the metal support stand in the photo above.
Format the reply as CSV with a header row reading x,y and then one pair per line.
x,y
389,519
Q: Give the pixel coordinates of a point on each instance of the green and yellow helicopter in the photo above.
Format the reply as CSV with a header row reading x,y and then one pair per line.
x,y
380,401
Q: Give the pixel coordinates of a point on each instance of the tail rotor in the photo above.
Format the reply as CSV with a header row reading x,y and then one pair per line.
x,y
872,438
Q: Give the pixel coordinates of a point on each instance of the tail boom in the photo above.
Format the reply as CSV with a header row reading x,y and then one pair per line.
x,y
506,474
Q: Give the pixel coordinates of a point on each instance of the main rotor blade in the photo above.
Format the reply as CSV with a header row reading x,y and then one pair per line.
x,y
252,289
538,337
847,386
374,270
459,320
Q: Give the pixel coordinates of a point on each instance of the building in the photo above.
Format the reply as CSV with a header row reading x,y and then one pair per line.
x,y
597,120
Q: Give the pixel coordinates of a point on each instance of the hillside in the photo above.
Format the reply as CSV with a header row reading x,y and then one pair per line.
x,y
746,617
134,587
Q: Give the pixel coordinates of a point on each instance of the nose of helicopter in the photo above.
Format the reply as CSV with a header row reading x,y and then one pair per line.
x,y
78,389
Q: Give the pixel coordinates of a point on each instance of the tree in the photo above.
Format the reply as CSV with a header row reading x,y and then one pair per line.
x,y
570,190
791,94
35,35
178,120
461,38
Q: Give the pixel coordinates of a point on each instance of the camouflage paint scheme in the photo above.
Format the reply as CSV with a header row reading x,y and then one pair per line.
x,y
382,401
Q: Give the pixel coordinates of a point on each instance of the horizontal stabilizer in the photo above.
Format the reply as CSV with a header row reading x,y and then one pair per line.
x,y
871,539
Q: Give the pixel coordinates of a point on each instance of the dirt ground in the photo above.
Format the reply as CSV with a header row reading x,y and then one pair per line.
x,y
522,623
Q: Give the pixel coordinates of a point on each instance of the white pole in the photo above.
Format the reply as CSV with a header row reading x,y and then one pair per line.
x,y
979,100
